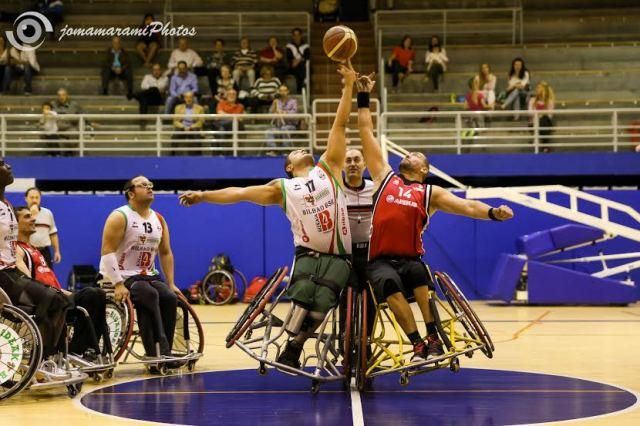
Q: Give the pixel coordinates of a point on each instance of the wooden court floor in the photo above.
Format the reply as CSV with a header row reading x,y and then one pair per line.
x,y
599,344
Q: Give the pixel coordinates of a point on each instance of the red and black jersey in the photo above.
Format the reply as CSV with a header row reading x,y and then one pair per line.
x,y
37,264
400,216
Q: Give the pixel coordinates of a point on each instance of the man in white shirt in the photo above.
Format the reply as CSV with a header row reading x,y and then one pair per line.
x,y
21,62
154,88
46,235
183,53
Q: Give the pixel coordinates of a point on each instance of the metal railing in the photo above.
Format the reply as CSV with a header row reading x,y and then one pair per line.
x,y
229,25
503,131
135,134
324,112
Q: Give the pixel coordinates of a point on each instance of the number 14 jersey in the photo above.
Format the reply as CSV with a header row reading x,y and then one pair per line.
x,y
137,251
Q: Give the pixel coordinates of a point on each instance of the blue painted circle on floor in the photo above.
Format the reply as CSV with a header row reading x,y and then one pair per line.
x,y
471,397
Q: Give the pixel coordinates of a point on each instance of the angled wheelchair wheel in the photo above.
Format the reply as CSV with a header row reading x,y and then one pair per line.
x,y
362,339
464,312
218,287
120,321
348,337
20,350
256,307
189,335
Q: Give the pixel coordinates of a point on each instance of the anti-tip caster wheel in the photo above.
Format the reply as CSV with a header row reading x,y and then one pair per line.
x,y
315,387
97,377
248,334
262,370
162,368
109,374
454,365
404,379
191,365
470,353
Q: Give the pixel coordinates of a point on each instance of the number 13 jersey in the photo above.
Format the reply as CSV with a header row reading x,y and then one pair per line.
x,y
400,216
317,208
137,251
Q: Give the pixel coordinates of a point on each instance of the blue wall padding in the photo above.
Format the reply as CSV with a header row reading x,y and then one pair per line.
x,y
549,284
535,244
259,240
505,277
572,234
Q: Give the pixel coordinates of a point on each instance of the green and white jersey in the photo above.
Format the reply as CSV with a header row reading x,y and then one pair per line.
x,y
317,209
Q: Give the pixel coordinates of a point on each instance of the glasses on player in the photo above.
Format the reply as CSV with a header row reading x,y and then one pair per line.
x,y
143,185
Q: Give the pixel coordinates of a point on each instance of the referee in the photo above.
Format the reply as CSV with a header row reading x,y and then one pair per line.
x,y
46,236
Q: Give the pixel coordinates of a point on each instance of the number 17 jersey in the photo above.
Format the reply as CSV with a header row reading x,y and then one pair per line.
x,y
137,251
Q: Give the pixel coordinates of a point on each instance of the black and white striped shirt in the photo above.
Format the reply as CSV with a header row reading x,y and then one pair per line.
x,y
245,58
266,89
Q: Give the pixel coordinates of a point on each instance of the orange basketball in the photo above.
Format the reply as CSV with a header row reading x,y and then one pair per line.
x,y
340,43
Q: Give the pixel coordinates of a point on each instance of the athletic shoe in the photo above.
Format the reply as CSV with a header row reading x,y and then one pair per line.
x,y
290,356
434,346
420,352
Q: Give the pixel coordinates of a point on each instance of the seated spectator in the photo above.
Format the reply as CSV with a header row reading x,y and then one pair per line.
x,y
264,90
4,59
116,65
147,45
183,54
184,124
488,85
518,86
244,62
223,83
436,60
282,104
20,62
229,105
400,63
64,105
154,89
474,101
49,126
273,56
543,100
214,63
298,54
183,81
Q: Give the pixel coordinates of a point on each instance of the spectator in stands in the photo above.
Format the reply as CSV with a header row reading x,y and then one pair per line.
x,y
274,56
264,90
184,124
244,62
224,83
214,64
400,63
49,126
46,236
229,105
518,86
154,89
436,60
20,62
543,100
182,82
183,54
487,85
148,45
298,54
4,59
474,101
116,65
282,104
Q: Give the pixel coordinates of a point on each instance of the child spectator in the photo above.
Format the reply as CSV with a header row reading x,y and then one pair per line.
x,y
518,86
474,101
488,85
400,63
436,59
543,100
49,127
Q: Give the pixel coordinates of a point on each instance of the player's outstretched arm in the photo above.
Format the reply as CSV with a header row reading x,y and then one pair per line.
x,y
378,167
337,143
264,195
443,200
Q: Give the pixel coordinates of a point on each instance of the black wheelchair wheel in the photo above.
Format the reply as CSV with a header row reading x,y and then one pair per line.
x,y
218,287
20,350
464,312
256,306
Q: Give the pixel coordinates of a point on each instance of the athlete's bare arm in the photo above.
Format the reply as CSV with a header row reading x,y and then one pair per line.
x,y
443,200
378,167
112,236
166,258
264,195
337,142
20,263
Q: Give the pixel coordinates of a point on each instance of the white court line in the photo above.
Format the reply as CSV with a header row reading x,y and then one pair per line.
x,y
356,408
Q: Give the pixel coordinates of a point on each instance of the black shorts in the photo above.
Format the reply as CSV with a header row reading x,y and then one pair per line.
x,y
360,256
393,275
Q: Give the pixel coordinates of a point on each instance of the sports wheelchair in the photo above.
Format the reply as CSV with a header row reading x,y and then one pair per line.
x,y
124,337
21,351
387,351
261,335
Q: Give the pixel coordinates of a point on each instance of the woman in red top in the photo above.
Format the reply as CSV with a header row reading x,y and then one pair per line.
x,y
400,63
274,56
474,101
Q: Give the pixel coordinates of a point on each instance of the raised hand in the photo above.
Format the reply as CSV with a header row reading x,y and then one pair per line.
x,y
349,75
503,212
190,198
365,83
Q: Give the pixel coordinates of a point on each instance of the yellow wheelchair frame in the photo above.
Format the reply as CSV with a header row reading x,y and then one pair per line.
x,y
459,327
